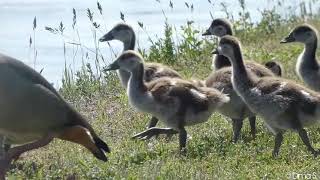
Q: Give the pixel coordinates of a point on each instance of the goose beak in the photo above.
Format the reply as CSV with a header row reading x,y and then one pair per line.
x,y
106,37
111,67
288,39
206,33
215,51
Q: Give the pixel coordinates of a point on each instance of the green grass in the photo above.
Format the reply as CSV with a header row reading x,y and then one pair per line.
x,y
211,154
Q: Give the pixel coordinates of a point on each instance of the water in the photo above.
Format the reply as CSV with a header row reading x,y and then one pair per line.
x,y
17,16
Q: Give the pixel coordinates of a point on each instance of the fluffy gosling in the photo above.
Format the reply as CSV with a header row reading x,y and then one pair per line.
x,y
284,105
307,66
125,33
176,102
220,79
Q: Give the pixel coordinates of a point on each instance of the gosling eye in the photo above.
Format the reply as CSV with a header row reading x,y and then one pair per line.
x,y
224,47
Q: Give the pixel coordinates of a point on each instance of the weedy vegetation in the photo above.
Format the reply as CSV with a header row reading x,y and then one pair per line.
x,y
211,154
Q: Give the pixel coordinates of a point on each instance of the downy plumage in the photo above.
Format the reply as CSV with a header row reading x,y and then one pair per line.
x,y
125,33
283,104
220,79
176,102
307,66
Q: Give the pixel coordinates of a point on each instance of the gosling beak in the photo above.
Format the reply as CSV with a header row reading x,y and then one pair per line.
x,y
288,39
206,33
107,37
111,67
215,51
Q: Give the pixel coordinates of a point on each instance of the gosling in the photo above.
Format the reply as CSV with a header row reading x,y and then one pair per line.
x,y
221,27
125,33
176,102
284,105
220,79
307,66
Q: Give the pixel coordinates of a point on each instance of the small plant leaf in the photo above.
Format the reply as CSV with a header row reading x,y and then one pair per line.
x,y
99,7
30,41
140,24
35,23
122,16
90,15
74,18
171,4
186,4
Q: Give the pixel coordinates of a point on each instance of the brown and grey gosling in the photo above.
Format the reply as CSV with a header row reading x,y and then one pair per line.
x,y
307,66
33,113
236,109
125,33
283,104
220,79
221,27
176,102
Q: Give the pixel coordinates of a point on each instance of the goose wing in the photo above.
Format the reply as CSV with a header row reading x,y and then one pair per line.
x,y
154,71
168,89
289,95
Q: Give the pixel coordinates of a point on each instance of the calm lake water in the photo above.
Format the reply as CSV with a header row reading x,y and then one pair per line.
x,y
17,16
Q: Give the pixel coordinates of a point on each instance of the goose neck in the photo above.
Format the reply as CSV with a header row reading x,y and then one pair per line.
x,y
310,49
136,82
129,44
124,75
221,61
240,78
238,67
308,56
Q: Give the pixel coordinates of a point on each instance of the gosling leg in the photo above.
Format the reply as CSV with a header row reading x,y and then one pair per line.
x,y
277,143
236,125
304,137
154,131
252,121
183,140
153,122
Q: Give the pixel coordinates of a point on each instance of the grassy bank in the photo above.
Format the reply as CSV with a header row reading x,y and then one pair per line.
x,y
211,154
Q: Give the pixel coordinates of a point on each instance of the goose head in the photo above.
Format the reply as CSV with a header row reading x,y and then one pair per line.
x,y
229,47
128,61
303,34
122,32
219,27
275,67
